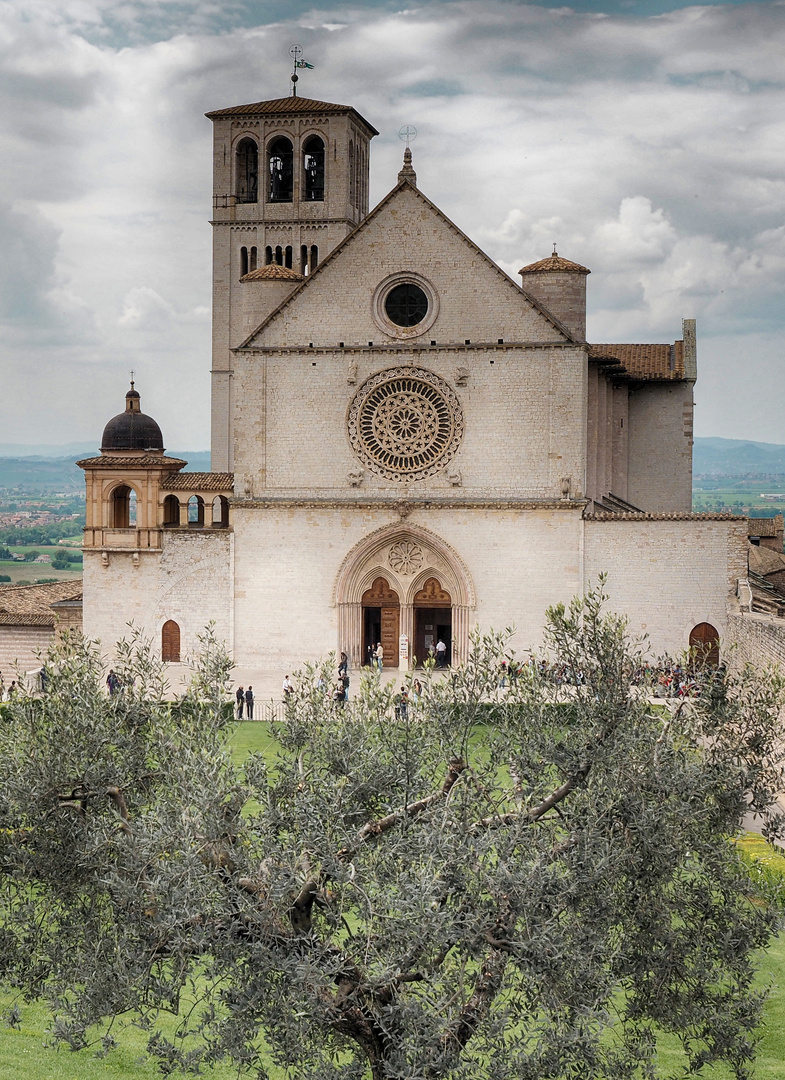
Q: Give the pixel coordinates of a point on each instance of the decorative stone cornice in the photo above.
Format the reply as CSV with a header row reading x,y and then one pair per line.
x,y
395,505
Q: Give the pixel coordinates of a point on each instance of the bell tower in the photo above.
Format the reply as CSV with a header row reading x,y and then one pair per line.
x,y
290,181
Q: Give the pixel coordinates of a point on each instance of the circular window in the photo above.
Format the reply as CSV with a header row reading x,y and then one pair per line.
x,y
406,305
405,423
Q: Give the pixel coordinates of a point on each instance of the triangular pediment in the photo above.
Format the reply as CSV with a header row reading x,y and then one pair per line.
x,y
472,299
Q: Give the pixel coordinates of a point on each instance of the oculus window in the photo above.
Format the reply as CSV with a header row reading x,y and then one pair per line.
x,y
406,304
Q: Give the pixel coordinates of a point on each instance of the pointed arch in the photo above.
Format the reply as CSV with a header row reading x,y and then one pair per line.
x,y
406,556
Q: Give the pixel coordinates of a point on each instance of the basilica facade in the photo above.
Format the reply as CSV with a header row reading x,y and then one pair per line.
x,y
406,443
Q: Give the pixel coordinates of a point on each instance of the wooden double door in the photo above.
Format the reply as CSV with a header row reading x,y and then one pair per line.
x,y
381,622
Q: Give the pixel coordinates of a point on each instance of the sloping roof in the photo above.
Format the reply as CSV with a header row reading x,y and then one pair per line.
x,y
273,272
765,526
338,250
676,516
764,561
198,481
287,106
656,362
111,461
30,605
553,262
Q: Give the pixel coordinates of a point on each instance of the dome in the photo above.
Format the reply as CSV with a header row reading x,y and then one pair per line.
x,y
554,262
273,272
132,430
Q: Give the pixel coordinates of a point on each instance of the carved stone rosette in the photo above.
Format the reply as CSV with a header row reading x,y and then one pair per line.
x,y
405,423
405,558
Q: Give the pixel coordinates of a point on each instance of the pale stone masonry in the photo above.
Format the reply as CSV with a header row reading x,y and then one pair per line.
x,y
406,443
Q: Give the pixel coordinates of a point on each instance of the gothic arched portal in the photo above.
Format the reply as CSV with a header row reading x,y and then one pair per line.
x,y
426,577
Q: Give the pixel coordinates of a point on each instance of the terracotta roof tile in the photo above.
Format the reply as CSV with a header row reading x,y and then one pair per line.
x,y
764,561
656,362
273,272
22,619
553,262
768,526
198,481
111,461
36,599
286,106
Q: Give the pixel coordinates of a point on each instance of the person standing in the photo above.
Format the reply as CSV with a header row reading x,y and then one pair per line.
x,y
441,654
288,688
343,664
240,699
113,682
379,656
249,703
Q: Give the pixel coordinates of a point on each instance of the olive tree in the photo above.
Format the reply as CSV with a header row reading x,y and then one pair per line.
x,y
512,877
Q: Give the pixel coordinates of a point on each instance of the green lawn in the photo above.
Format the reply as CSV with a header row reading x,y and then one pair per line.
x,y
24,1055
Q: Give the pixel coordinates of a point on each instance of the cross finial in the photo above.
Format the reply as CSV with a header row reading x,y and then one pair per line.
x,y
407,134
296,53
132,378
555,252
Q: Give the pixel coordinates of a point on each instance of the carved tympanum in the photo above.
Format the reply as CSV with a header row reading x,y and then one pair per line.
x,y
405,557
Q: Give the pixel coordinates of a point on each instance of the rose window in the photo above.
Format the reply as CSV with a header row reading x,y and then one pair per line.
x,y
406,557
405,423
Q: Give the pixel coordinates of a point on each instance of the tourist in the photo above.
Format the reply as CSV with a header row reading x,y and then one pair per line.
x,y
416,691
249,703
441,654
402,704
379,656
343,664
240,699
113,682
288,687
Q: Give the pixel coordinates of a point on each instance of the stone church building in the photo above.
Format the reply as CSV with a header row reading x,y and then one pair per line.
x,y
406,443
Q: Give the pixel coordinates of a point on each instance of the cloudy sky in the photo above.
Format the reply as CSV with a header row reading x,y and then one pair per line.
x,y
646,138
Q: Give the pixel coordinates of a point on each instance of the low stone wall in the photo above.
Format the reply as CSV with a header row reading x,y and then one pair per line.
x,y
755,639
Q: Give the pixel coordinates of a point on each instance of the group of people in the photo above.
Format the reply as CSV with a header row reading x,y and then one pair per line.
x,y
244,699
7,695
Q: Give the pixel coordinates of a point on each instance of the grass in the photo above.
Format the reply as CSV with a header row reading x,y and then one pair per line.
x,y
23,1053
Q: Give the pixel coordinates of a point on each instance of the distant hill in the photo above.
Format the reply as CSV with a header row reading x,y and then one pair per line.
x,y
58,472
735,457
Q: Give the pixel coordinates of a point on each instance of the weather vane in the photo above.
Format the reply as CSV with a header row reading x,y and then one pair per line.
x,y
296,52
407,134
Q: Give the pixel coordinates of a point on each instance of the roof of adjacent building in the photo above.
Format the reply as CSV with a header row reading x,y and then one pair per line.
x,y
554,262
111,461
287,106
273,272
657,362
765,561
765,526
198,481
31,605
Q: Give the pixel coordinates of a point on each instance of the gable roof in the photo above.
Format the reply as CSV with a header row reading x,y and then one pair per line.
x,y
288,106
347,241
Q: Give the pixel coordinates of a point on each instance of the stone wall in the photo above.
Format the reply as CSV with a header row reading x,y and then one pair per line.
x,y
754,639
667,575
660,447
20,647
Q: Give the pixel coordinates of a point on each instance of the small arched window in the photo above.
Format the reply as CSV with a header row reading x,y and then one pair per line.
x,y
196,511
280,164
314,257
170,642
357,176
279,255
243,261
247,183
252,259
313,169
268,255
171,511
220,512
288,257
304,259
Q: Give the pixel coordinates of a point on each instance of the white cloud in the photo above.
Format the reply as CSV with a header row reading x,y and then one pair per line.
x,y
649,149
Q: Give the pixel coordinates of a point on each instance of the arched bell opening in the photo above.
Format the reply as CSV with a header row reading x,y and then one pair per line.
x,y
280,169
705,645
381,611
313,169
432,624
171,512
247,172
196,512
122,507
220,512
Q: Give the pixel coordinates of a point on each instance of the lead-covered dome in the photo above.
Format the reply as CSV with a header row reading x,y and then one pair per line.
x,y
132,430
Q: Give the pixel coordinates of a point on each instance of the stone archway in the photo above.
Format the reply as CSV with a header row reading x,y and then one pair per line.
x,y
405,556
381,621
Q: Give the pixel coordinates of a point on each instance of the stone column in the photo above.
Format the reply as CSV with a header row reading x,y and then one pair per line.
x,y
461,618
350,632
407,627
